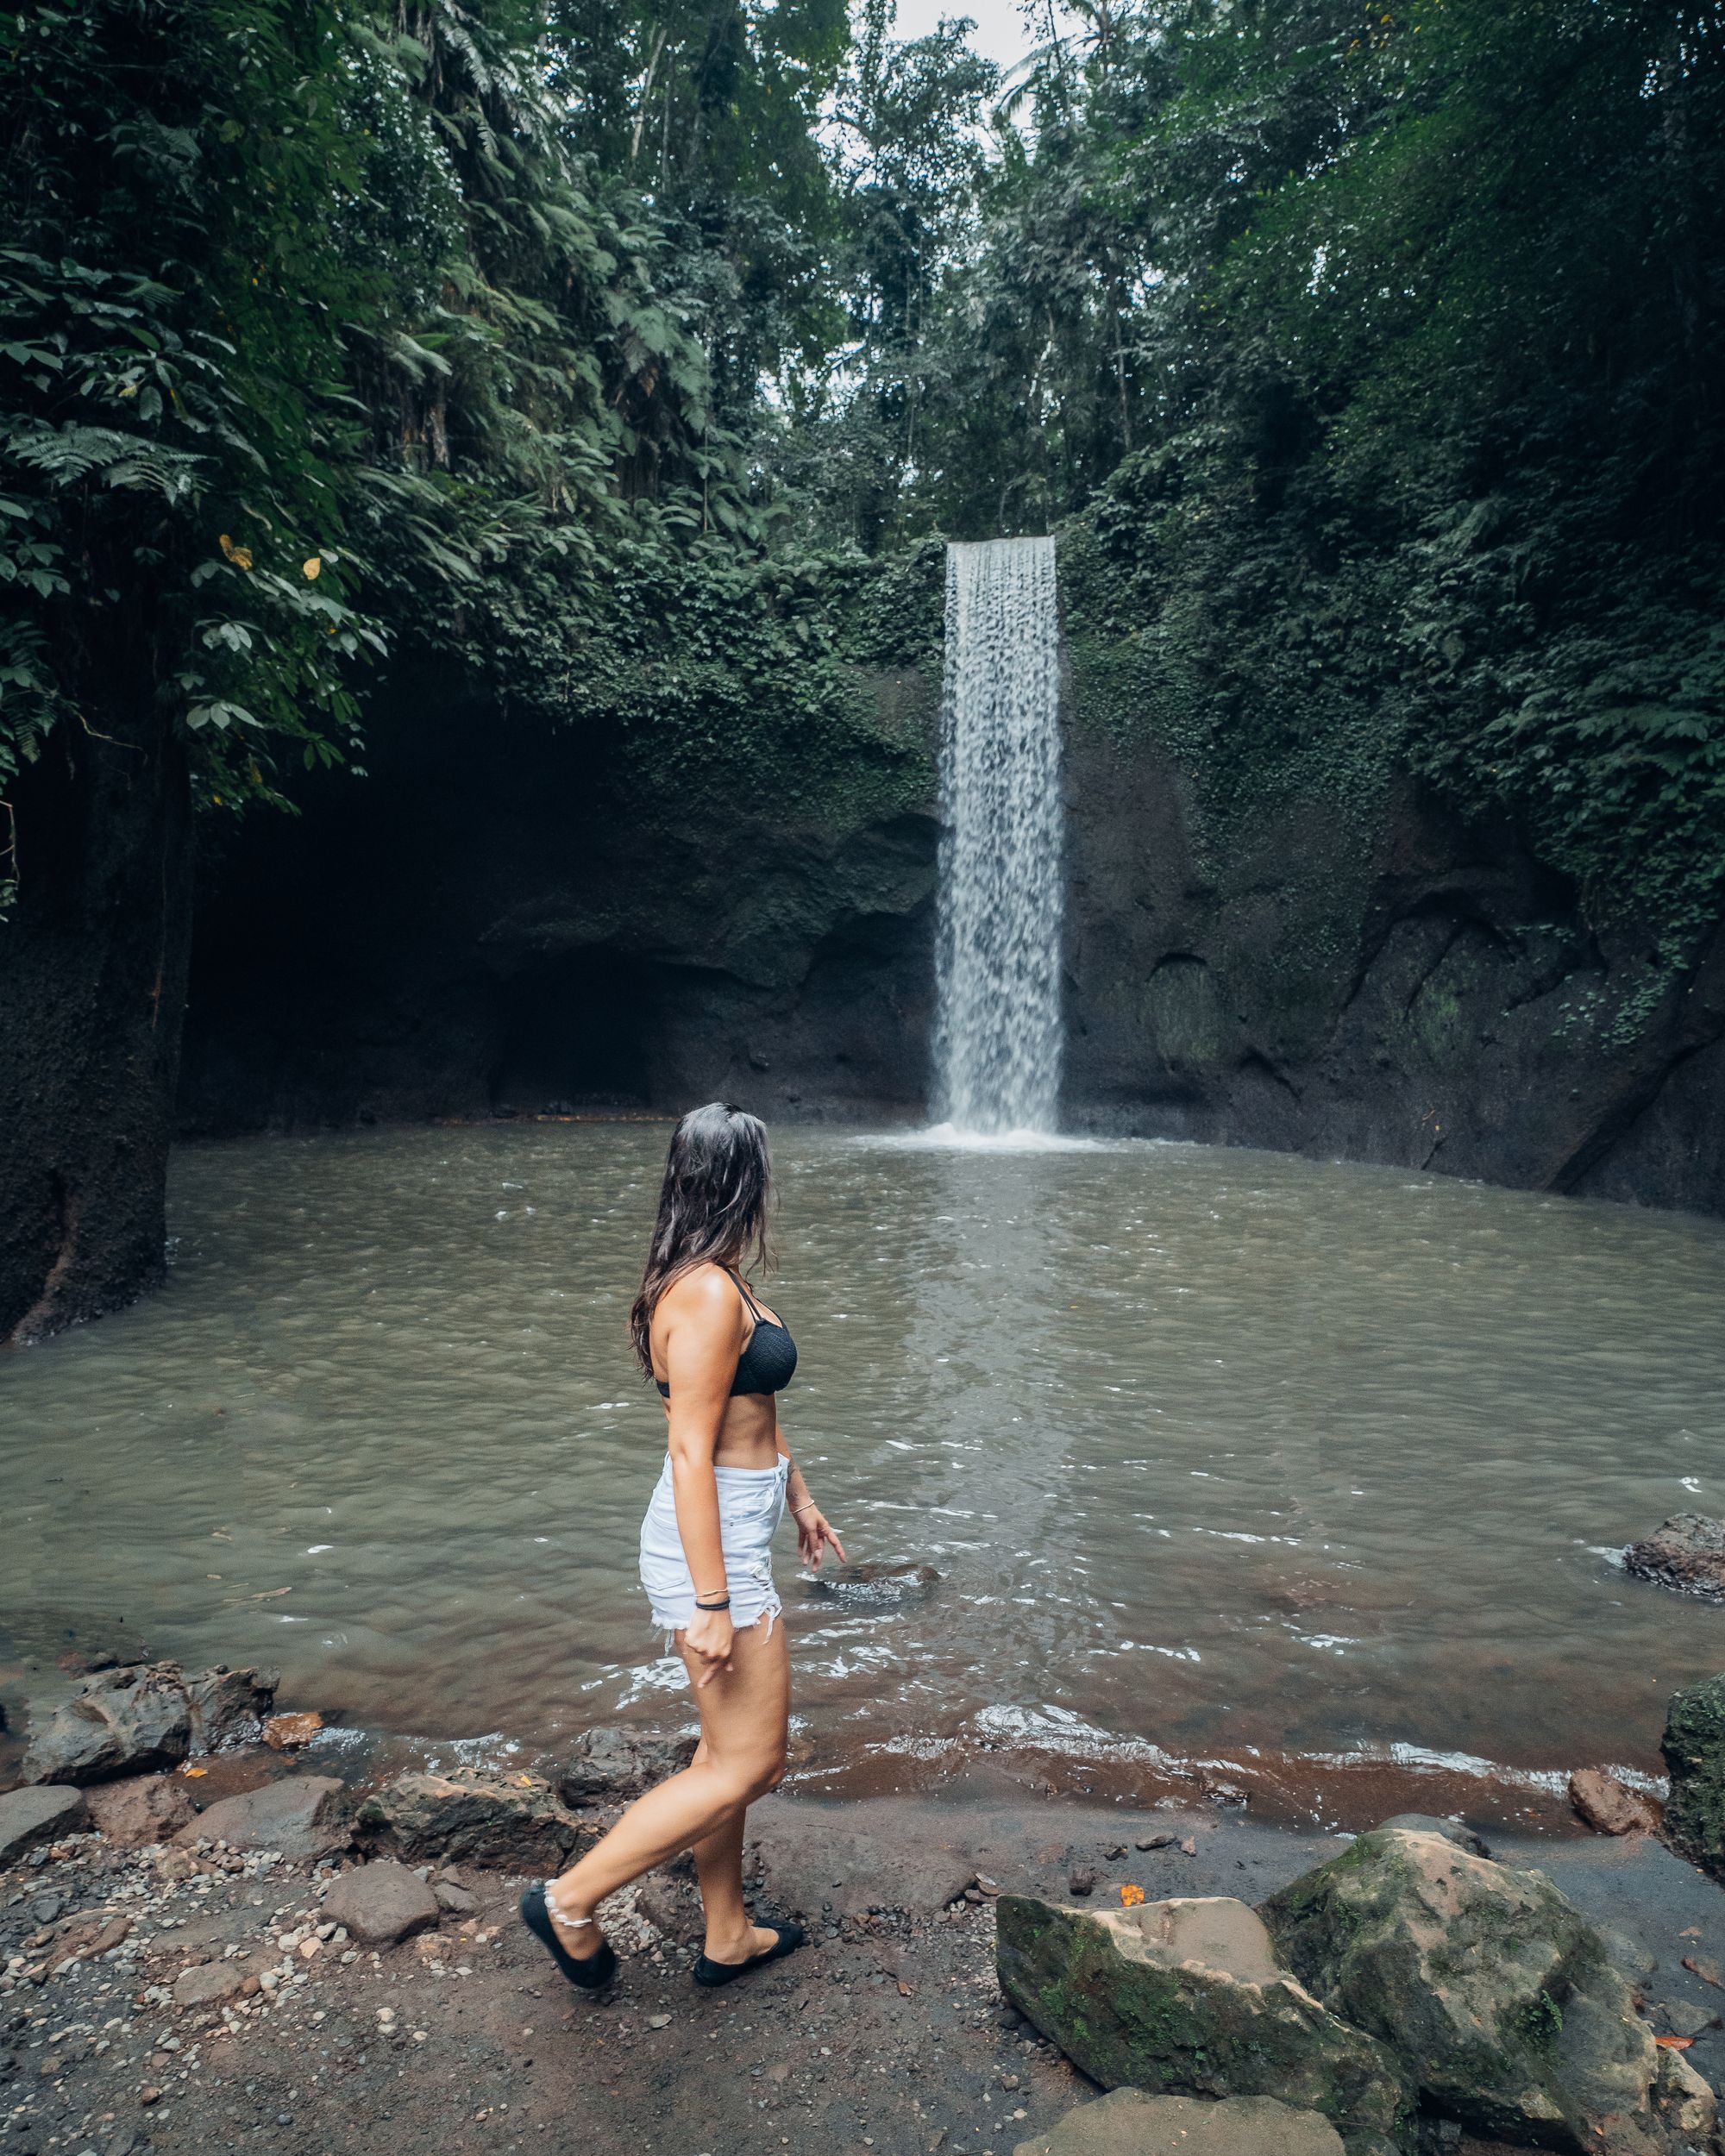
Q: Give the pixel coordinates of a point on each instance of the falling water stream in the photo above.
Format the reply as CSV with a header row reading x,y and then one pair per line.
x,y
997,1033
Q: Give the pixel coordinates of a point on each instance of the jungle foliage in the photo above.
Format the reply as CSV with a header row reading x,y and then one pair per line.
x,y
634,355
1371,360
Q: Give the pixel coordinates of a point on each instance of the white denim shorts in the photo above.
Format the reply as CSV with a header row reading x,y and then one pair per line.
x,y
751,1503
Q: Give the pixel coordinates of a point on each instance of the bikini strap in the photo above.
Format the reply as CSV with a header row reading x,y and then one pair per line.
x,y
754,1308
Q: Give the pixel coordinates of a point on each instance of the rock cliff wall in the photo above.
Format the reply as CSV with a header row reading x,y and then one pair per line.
x,y
475,930
1389,985
92,976
479,930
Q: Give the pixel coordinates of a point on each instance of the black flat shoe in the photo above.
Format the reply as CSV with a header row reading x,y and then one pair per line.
x,y
591,1975
713,1973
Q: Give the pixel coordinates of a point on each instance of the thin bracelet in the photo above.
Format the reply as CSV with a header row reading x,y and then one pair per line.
x,y
723,1602
810,1506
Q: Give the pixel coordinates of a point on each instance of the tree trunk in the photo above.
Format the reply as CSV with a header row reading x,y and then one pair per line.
x,y
92,993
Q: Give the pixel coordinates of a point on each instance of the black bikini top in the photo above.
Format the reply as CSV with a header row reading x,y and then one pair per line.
x,y
769,1361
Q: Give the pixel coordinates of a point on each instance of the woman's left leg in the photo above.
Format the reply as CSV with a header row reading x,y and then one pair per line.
x,y
744,1711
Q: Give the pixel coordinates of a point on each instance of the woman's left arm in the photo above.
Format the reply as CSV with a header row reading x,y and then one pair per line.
x,y
813,1533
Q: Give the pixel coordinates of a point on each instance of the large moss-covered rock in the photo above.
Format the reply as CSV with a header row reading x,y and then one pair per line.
x,y
1186,1997
1694,1746
1496,1996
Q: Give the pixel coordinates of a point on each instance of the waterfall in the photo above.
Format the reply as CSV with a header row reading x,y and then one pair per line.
x,y
997,1024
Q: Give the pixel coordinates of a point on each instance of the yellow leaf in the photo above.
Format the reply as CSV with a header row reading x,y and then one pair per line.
x,y
313,568
193,1773
1130,1896
240,556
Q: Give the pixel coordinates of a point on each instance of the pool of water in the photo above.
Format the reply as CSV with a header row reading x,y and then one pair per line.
x,y
1210,1450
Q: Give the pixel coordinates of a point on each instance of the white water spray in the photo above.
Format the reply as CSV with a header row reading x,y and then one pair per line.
x,y
997,1024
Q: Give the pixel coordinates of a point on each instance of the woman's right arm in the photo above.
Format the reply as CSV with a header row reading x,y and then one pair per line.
x,y
701,1342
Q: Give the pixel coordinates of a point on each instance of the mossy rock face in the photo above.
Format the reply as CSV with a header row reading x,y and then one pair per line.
x,y
1184,1998
1495,1995
1694,1746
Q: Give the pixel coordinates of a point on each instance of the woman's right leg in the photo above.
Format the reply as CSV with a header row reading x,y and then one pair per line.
x,y
745,1712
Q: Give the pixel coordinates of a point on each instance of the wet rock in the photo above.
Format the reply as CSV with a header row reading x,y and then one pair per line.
x,y
512,1822
1187,1997
1693,1748
118,1721
1684,2103
208,1984
1081,1879
382,1902
1610,1806
287,1732
875,1586
1680,2017
1130,2123
1686,1554
1162,1839
30,1817
672,1905
1451,1829
1626,1953
1495,1995
605,1765
299,1815
229,1706
149,1808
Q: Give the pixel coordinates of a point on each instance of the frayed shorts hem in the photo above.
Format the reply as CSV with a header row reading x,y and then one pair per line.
x,y
670,1621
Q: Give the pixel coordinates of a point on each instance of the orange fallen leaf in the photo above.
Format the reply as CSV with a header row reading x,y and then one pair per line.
x,y
1130,1896
193,1773
1706,1970
1673,2043
1690,1931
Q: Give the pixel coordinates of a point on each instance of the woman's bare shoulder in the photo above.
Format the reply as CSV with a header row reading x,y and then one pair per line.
x,y
705,1292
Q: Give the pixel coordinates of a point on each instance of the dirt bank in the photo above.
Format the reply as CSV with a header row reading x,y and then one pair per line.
x,y
886,2033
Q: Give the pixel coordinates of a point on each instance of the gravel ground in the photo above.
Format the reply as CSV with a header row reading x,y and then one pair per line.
x,y
886,2032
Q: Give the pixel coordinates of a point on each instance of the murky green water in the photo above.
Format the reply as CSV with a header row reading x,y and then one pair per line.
x,y
1211,1448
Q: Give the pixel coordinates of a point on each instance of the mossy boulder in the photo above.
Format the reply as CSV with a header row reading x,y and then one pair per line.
x,y
1694,1747
1186,1998
1496,1996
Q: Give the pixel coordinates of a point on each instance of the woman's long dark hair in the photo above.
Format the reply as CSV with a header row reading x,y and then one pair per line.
x,y
712,1205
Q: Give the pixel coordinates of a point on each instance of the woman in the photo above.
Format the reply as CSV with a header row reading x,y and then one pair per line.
x,y
720,1360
